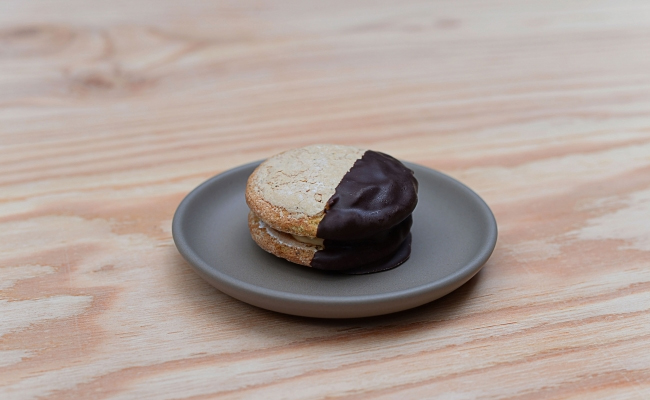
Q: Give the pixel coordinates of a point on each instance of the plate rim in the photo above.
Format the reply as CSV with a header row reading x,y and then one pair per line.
x,y
228,283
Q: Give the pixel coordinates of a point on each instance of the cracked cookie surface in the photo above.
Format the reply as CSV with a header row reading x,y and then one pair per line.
x,y
289,191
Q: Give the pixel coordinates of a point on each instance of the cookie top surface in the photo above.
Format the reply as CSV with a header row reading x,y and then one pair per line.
x,y
332,192
289,191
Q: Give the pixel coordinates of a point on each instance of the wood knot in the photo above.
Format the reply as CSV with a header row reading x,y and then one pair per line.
x,y
104,79
34,40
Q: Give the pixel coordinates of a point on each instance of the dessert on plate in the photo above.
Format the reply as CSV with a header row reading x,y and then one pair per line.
x,y
333,207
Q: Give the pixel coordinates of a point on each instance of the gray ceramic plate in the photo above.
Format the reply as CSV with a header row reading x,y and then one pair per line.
x,y
454,233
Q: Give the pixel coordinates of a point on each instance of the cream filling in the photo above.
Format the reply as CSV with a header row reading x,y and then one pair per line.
x,y
278,236
309,240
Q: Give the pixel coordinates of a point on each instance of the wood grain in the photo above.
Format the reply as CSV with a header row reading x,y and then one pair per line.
x,y
112,111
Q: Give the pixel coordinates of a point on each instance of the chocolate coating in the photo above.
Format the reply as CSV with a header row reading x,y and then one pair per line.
x,y
353,254
376,194
367,221
399,257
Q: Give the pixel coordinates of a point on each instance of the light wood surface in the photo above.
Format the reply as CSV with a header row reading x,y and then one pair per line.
x,y
112,111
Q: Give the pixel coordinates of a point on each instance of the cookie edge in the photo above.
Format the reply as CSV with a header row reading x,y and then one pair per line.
x,y
293,251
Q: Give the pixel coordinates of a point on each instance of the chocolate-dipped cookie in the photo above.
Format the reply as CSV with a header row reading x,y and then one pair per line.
x,y
333,207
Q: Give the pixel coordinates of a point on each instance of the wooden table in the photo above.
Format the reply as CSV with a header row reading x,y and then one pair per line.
x,y
111,112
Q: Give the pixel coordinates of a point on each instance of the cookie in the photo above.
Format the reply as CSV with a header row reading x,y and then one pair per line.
x,y
333,207
289,191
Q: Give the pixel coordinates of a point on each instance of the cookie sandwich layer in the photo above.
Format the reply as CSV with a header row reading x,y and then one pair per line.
x,y
333,207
